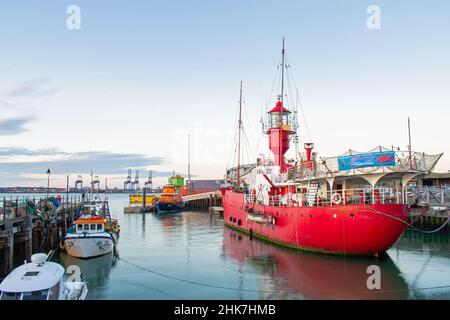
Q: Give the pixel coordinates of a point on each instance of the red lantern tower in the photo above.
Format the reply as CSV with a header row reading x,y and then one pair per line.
x,y
279,132
279,126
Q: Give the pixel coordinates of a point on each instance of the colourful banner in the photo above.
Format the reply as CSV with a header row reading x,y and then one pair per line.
x,y
364,160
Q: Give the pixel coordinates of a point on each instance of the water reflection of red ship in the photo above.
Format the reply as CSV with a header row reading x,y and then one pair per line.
x,y
288,274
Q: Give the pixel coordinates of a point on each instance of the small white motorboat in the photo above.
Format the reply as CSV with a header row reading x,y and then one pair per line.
x,y
40,280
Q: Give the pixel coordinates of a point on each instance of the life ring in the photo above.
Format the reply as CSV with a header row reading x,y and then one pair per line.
x,y
336,198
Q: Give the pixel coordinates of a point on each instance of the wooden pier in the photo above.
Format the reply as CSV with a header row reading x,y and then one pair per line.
x,y
29,226
430,219
204,201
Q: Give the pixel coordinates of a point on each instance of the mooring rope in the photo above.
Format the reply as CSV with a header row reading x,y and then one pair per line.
x,y
262,291
400,220
409,224
193,282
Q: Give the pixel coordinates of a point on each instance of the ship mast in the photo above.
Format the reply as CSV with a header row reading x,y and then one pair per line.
x,y
239,138
282,77
409,145
280,136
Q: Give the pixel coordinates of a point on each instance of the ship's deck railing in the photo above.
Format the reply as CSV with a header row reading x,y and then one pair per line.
x,y
405,162
339,197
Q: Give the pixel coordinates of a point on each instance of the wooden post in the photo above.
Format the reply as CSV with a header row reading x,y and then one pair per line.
x,y
17,207
29,241
10,231
34,240
144,197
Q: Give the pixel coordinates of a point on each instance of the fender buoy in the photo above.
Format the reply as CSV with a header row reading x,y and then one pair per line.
x,y
336,198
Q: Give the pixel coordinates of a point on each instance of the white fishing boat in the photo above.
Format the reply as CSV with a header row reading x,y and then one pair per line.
x,y
91,236
40,280
94,233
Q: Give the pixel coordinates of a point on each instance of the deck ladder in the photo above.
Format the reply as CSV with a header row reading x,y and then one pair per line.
x,y
313,189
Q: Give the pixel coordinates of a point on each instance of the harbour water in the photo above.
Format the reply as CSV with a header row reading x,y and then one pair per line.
x,y
191,255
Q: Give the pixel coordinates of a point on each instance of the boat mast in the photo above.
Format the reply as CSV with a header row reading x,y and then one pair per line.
x,y
409,146
282,78
92,185
106,189
239,138
280,134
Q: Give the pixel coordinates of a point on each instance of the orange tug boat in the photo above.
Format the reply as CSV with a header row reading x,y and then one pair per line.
x,y
170,200
353,204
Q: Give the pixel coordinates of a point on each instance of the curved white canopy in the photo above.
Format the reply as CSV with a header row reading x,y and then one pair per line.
x,y
33,277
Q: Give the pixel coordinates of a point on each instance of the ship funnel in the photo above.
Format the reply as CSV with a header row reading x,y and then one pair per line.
x,y
308,148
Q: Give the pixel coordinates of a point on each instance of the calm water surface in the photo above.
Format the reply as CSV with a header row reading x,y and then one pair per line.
x,y
190,255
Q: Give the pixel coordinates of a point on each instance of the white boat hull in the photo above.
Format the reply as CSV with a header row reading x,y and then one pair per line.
x,y
89,245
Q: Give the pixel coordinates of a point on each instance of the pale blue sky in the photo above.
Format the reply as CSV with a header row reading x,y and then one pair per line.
x,y
140,75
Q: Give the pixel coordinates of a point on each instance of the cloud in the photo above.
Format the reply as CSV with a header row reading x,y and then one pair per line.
x,y
14,126
21,151
8,106
36,87
100,162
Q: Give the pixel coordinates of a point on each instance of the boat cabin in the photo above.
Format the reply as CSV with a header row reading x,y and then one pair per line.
x,y
37,280
90,224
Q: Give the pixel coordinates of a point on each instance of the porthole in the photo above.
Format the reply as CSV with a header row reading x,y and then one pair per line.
x,y
239,222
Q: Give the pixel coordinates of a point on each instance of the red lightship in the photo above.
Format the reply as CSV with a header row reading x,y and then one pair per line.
x,y
353,204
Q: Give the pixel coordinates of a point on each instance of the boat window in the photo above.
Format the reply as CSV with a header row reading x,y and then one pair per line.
x,y
99,227
86,227
80,227
10,296
92,226
35,295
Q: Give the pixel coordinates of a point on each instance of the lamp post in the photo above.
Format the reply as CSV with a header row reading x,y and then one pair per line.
x,y
48,182
189,164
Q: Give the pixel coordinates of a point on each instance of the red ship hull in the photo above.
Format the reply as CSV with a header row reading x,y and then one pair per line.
x,y
360,229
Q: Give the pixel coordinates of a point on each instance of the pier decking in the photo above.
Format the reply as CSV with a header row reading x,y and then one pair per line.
x,y
204,201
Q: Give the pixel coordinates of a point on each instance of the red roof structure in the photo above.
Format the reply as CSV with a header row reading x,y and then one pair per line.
x,y
278,108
